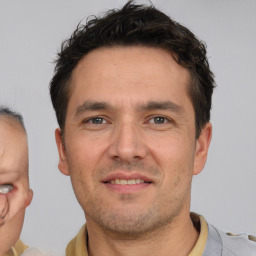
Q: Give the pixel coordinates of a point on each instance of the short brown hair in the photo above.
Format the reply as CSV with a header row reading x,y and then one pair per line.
x,y
130,26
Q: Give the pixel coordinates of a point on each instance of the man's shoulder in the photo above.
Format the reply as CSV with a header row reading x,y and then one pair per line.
x,y
240,244
229,244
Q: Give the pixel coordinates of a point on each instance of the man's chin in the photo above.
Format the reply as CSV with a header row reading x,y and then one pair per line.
x,y
129,224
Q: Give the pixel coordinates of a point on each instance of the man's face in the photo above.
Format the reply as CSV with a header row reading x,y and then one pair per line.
x,y
14,171
130,145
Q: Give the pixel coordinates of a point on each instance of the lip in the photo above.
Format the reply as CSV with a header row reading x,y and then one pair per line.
x,y
125,176
129,188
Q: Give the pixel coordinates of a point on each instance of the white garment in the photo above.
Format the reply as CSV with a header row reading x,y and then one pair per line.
x,y
34,252
31,252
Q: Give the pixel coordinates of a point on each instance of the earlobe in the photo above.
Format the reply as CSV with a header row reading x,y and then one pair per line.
x,y
202,146
63,166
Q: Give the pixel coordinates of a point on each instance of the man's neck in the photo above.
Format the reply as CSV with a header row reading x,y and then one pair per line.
x,y
176,238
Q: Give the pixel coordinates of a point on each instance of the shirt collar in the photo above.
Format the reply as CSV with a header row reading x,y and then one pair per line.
x,y
78,246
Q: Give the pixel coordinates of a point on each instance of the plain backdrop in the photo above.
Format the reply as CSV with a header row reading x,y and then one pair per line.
x,y
30,35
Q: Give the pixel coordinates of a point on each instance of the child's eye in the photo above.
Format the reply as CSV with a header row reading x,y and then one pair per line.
x,y
4,189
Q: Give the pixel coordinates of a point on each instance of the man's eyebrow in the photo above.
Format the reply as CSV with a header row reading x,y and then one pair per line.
x,y
152,105
92,106
162,105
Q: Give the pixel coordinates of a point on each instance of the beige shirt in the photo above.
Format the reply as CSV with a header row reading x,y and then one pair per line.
x,y
17,249
78,246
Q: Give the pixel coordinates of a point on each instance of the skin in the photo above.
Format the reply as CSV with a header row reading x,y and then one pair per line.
x,y
13,170
129,116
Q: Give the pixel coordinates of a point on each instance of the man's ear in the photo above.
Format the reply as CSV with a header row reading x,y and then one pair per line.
x,y
63,165
202,146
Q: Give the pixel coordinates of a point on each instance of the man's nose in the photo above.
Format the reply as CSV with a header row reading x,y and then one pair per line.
x,y
127,144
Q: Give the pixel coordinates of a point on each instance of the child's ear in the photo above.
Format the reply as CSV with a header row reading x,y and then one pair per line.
x,y
29,197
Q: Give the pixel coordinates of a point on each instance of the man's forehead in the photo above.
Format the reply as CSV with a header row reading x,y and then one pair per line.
x,y
119,66
130,60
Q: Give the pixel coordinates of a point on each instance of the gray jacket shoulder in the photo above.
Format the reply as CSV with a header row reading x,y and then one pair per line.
x,y
222,244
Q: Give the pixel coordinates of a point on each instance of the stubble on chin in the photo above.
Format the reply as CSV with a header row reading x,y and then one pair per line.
x,y
130,220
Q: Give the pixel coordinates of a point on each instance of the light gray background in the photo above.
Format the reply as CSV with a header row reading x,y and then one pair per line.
x,y
31,33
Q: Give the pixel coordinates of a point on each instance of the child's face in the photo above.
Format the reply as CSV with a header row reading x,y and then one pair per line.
x,y
14,171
